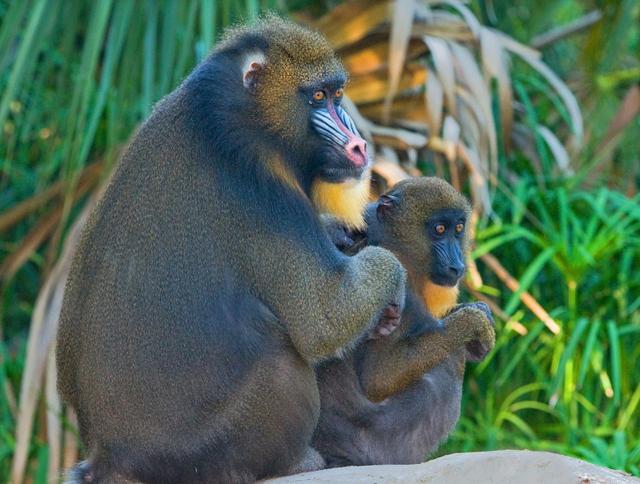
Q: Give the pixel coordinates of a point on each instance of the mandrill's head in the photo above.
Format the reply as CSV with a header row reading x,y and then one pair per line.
x,y
423,222
294,84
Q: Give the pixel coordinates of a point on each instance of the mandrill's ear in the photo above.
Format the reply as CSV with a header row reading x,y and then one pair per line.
x,y
253,70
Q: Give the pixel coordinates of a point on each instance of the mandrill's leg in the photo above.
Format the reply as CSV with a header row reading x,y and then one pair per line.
x,y
389,365
311,461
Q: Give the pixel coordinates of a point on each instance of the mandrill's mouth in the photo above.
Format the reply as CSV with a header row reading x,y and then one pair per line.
x,y
337,128
445,280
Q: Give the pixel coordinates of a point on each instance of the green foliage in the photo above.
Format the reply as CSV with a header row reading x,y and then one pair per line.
x,y
575,392
575,246
601,64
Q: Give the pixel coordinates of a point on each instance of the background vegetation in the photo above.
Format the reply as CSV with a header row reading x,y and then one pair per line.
x,y
463,96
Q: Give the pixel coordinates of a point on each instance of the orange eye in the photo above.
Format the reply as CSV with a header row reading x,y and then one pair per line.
x,y
440,229
319,96
459,227
339,93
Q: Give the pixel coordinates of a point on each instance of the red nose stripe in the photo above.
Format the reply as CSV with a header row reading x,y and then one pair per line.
x,y
356,147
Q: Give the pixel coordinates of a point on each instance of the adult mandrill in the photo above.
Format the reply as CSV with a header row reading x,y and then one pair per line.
x,y
205,288
398,396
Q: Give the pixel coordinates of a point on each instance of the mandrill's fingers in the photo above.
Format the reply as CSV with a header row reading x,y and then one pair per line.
x,y
471,326
485,309
476,305
337,232
389,321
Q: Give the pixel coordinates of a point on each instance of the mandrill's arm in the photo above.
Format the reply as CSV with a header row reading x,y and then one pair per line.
x,y
328,302
387,366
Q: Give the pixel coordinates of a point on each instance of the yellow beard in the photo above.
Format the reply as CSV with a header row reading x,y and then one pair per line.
x,y
439,299
345,201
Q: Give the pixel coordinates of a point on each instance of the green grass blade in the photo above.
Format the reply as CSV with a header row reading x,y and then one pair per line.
x,y
528,277
24,57
614,342
568,353
115,41
586,354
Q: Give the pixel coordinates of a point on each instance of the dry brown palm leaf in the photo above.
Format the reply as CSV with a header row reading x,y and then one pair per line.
x,y
453,76
451,134
513,284
374,55
494,64
532,58
443,69
406,108
443,25
557,149
434,101
42,333
42,229
468,16
390,171
54,418
400,139
352,21
374,87
402,19
17,213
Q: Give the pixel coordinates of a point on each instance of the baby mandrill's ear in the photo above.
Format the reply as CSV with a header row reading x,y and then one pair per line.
x,y
385,205
252,71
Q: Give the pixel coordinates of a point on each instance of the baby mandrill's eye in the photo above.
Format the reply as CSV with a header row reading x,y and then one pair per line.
x,y
459,227
440,229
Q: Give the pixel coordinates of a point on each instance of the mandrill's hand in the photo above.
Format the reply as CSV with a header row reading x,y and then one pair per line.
x,y
389,321
472,325
348,241
337,232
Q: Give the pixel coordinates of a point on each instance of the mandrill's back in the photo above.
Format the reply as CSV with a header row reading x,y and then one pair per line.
x,y
158,335
147,276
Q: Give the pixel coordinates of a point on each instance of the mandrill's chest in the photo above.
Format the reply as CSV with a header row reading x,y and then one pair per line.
x,y
439,299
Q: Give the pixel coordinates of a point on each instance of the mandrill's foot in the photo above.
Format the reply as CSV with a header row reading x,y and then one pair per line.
x,y
311,461
389,321
477,349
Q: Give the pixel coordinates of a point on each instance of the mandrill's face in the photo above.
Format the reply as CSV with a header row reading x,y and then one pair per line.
x,y
315,120
343,152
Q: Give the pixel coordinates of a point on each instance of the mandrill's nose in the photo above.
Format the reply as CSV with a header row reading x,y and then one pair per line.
x,y
456,269
356,150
